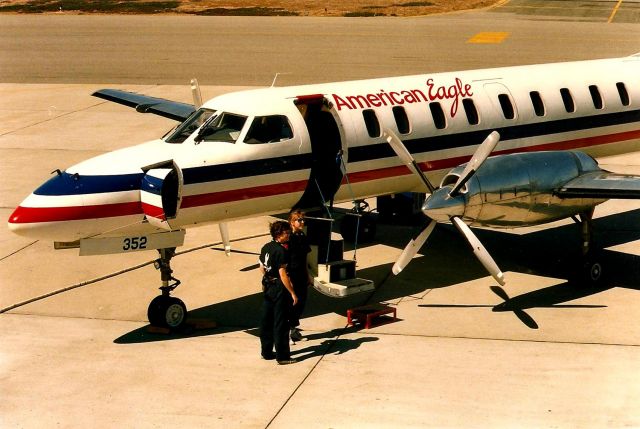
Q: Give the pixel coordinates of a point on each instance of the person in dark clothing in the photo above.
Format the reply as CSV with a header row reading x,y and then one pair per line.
x,y
298,270
278,295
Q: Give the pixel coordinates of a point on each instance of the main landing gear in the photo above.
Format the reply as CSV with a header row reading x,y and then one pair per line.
x,y
591,270
165,310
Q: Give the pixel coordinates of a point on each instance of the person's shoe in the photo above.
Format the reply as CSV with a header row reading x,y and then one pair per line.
x,y
295,334
287,361
269,356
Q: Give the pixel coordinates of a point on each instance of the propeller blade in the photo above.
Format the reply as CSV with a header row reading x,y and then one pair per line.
x,y
481,154
404,155
478,249
412,248
224,233
195,93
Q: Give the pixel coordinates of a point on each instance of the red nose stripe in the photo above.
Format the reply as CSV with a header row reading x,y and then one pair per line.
x,y
60,214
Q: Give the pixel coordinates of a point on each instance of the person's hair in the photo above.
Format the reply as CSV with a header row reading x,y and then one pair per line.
x,y
295,213
278,227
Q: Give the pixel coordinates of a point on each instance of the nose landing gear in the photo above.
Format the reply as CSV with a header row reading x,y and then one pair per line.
x,y
165,310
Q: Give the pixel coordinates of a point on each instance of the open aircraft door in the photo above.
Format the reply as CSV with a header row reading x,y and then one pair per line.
x,y
161,193
326,135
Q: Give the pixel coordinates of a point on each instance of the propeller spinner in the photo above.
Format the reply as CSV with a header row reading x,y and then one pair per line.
x,y
446,204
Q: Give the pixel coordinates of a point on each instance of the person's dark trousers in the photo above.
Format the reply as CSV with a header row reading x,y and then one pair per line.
x,y
301,289
274,327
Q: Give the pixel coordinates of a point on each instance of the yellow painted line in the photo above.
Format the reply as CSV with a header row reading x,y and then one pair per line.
x,y
489,37
614,11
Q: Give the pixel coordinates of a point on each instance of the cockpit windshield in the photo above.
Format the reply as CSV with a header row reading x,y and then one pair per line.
x,y
191,124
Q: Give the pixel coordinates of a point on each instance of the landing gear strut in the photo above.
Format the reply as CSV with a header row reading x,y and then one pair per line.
x,y
164,310
591,272
358,224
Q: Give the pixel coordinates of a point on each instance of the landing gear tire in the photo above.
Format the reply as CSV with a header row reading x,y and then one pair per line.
x,y
592,273
167,312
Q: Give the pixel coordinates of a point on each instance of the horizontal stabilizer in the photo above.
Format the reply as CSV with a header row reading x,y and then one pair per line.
x,y
602,185
146,104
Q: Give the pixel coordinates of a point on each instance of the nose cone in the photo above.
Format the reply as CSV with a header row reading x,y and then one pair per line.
x,y
441,207
24,221
68,207
40,214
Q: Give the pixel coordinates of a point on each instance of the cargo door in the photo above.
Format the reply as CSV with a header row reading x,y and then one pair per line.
x,y
160,195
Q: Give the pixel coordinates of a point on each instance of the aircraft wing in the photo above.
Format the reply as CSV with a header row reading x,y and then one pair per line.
x,y
146,104
602,184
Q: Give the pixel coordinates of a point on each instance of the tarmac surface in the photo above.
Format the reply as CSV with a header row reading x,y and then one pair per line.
x,y
560,354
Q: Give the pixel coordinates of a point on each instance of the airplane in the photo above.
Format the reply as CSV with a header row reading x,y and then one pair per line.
x,y
263,151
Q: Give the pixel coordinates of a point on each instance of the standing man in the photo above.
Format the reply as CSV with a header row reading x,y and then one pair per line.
x,y
298,270
278,295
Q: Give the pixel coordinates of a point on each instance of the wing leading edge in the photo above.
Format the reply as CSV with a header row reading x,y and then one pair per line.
x,y
146,104
602,184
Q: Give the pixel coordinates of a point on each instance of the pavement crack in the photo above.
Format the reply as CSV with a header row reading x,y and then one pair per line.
x,y
18,251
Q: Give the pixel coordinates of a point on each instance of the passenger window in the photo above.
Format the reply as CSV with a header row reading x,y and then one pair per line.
x,y
624,95
507,106
596,97
471,111
567,99
438,115
402,121
269,129
372,123
538,104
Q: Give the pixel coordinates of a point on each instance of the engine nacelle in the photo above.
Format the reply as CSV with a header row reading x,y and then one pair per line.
x,y
519,189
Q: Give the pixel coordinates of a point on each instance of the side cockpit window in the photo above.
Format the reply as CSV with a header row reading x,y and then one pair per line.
x,y
269,129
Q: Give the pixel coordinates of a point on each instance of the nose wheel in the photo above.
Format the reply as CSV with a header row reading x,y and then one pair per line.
x,y
165,310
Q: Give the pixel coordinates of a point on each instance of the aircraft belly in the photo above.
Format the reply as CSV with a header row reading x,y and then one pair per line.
x,y
367,184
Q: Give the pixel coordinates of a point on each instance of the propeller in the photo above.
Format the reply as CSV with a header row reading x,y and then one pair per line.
x,y
447,202
478,249
481,154
412,248
224,233
402,152
195,93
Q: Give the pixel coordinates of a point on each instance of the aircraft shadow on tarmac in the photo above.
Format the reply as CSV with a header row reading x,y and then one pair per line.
x,y
331,344
552,252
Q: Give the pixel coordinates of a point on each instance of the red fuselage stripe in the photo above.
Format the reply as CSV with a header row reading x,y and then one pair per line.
x,y
243,194
58,214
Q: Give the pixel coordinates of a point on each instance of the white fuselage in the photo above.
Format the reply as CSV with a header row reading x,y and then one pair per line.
x,y
592,106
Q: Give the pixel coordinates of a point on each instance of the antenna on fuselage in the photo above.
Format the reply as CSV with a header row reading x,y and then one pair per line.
x,y
275,78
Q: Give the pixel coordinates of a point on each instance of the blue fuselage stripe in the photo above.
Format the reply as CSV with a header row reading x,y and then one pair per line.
x,y
68,184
